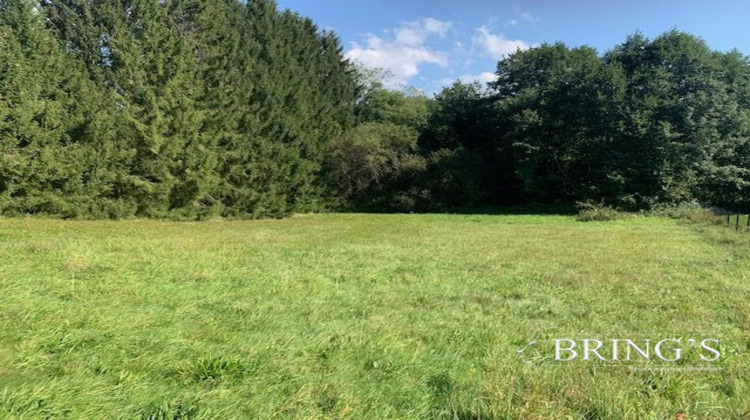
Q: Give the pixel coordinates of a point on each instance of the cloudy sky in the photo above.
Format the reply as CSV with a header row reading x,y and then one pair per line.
x,y
430,43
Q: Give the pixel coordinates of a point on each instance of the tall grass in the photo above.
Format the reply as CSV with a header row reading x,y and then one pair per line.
x,y
364,316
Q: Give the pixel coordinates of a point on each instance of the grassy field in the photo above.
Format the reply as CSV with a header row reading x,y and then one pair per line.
x,y
366,316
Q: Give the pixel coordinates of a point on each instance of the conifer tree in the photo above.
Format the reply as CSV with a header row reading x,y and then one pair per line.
x,y
45,164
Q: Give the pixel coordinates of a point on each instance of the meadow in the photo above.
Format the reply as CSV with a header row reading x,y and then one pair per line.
x,y
357,316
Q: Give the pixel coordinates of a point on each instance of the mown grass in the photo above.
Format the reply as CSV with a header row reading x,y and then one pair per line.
x,y
364,316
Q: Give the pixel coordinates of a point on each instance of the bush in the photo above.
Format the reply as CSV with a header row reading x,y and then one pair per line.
x,y
691,211
370,158
592,212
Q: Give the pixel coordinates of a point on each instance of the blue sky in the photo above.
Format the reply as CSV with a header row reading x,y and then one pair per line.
x,y
430,43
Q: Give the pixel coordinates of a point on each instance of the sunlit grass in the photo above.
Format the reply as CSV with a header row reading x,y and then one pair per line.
x,y
364,316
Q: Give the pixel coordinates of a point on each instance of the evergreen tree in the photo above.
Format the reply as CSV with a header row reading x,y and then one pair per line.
x,y
206,108
45,163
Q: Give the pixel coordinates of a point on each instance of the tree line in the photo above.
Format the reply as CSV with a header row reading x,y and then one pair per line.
x,y
650,122
201,108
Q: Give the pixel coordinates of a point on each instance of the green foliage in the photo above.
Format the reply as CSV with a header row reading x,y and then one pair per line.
x,y
171,109
650,122
459,118
438,163
214,369
678,121
409,109
374,164
45,154
452,179
547,98
167,410
691,211
369,160
592,212
188,109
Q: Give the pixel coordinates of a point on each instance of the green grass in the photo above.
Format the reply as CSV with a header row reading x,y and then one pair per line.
x,y
365,316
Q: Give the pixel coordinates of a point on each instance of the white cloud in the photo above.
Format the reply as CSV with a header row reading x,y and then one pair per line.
x,y
497,46
482,78
486,77
405,52
528,17
435,26
524,17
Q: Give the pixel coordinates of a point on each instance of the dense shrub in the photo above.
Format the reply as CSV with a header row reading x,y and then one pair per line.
x,y
691,211
370,161
592,212
452,179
